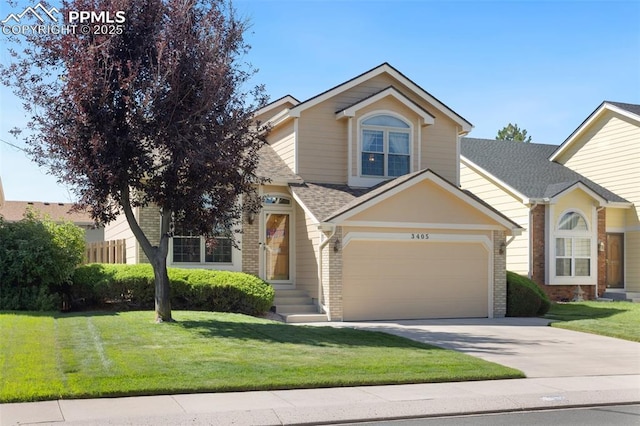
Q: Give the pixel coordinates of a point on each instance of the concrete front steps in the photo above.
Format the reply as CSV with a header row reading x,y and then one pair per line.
x,y
620,294
295,306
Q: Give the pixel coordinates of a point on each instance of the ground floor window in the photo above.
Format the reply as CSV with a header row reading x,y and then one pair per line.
x,y
189,248
573,257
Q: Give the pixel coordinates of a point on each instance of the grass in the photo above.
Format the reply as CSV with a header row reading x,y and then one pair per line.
x,y
116,354
613,319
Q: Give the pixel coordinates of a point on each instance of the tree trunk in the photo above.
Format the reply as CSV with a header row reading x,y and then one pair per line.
x,y
157,255
163,289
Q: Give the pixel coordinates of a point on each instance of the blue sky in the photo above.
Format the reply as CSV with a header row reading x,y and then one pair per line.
x,y
545,65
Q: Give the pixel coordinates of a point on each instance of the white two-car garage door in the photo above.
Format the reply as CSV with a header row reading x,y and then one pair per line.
x,y
413,280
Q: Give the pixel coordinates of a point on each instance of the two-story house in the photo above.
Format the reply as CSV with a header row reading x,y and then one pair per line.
x,y
363,217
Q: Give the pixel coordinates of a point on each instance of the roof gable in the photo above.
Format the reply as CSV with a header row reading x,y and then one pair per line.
x,y
396,186
384,68
630,111
390,91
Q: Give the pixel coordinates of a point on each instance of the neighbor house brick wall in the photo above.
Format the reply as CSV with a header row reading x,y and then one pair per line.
x,y
332,276
538,256
537,225
251,245
149,220
499,275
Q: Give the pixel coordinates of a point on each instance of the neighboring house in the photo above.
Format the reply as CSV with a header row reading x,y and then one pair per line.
x,y
363,214
13,211
578,202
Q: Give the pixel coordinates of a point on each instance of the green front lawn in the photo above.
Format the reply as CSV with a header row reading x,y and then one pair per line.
x,y
50,356
614,319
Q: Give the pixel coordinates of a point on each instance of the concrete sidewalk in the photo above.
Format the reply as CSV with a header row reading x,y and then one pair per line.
x,y
329,406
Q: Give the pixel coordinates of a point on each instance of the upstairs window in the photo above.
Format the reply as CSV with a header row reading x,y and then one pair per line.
x,y
386,146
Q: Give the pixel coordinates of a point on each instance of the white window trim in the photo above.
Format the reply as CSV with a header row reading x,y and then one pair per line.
x,y
368,181
554,232
234,265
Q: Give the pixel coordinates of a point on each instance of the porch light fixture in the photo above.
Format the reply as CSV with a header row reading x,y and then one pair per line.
x,y
336,245
600,246
250,218
503,246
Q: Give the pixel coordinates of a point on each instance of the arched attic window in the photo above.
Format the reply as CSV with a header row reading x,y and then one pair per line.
x,y
386,146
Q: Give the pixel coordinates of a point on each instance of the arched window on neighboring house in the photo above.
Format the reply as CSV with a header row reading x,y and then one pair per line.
x,y
573,246
385,146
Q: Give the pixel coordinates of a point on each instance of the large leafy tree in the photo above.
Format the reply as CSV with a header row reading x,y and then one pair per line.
x,y
512,132
159,115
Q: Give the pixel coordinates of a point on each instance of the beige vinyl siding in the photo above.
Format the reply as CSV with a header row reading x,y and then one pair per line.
x,y
425,202
609,154
615,219
307,240
119,230
282,140
322,140
507,204
322,145
632,261
439,142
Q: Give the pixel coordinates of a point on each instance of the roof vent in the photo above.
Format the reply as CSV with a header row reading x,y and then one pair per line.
x,y
61,204
30,203
46,204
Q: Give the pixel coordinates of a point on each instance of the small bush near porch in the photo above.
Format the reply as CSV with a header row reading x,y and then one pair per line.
x,y
613,319
51,356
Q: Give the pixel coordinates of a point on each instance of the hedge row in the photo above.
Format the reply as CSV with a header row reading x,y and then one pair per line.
x,y
524,297
195,289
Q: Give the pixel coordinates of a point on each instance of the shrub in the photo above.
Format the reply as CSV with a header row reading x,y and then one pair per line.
x,y
524,297
196,289
37,260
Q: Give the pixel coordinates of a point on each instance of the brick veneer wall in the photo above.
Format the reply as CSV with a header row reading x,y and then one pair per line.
x,y
562,292
499,276
149,220
250,246
332,276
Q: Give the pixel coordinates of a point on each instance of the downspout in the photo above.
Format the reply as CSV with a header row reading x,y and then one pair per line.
x,y
535,204
323,244
598,250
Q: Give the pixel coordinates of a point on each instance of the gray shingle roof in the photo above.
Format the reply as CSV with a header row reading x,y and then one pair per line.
x,y
632,108
273,167
526,168
322,199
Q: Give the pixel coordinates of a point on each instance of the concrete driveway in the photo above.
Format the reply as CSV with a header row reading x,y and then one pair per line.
x,y
527,344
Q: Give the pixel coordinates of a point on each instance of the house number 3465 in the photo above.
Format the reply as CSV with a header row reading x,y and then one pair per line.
x,y
420,236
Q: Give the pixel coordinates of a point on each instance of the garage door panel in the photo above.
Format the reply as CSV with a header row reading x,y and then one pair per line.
x,y
403,280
